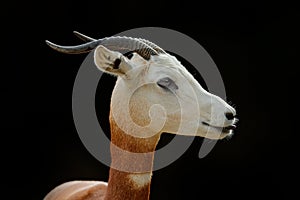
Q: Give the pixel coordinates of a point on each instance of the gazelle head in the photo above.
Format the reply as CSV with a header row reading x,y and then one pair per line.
x,y
148,77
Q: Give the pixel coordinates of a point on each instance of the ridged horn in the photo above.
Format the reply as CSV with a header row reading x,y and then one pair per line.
x,y
151,44
121,44
154,46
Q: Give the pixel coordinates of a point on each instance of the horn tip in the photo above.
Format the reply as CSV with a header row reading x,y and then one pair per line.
x,y
48,42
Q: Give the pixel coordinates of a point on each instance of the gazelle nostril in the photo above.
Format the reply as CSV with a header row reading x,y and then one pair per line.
x,y
229,115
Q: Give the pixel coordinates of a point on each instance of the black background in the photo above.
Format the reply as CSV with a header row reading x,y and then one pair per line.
x,y
255,46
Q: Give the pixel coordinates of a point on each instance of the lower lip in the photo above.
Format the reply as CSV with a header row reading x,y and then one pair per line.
x,y
226,131
220,129
223,130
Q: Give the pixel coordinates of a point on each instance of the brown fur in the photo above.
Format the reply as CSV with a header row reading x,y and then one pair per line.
x,y
120,187
78,190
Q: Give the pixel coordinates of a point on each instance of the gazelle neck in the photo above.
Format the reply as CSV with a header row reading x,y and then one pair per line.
x,y
129,185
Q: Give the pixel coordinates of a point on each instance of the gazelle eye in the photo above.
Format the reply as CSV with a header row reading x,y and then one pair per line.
x,y
167,83
129,55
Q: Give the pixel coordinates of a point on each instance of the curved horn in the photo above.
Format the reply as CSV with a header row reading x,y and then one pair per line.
x,y
89,39
83,48
121,44
83,37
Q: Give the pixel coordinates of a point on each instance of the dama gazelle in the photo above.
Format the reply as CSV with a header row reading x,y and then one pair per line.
x,y
161,80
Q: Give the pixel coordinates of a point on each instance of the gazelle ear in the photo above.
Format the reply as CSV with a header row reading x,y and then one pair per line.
x,y
111,62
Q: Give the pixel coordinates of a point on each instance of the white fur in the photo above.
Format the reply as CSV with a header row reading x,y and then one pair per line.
x,y
180,112
140,180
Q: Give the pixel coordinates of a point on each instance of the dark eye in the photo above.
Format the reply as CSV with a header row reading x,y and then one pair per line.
x,y
167,83
129,54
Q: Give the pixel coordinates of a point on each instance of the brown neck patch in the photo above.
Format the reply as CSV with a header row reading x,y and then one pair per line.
x,y
120,184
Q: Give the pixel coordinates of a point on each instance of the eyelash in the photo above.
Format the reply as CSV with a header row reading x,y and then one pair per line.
x,y
162,86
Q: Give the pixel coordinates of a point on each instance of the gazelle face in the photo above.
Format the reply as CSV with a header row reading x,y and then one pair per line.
x,y
185,107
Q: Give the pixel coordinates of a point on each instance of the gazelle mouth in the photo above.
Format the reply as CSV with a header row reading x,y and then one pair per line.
x,y
225,129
